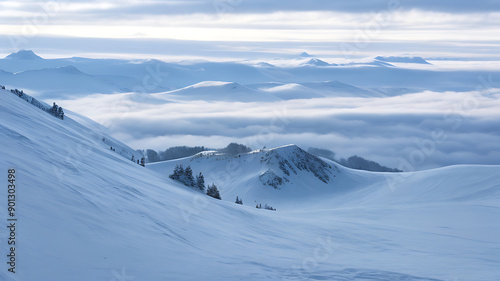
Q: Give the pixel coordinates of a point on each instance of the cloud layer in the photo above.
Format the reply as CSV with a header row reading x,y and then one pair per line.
x,y
426,129
361,26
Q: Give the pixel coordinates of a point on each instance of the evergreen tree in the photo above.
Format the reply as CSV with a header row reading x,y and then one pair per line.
x,y
188,176
53,110
60,113
212,191
200,182
178,171
235,148
152,156
267,207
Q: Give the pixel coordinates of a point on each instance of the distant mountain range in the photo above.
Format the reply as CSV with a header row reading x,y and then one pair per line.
x,y
70,77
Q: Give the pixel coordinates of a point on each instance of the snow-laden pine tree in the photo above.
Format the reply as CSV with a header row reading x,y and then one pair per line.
x,y
188,176
53,109
200,182
60,113
212,191
178,172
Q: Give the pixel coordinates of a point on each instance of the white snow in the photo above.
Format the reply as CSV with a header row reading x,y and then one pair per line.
x,y
87,212
218,91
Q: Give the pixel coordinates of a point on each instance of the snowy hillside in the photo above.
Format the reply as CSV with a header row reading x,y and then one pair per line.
x,y
86,212
279,175
287,174
67,82
217,91
312,90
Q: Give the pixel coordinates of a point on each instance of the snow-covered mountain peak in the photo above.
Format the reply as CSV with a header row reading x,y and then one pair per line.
x,y
316,62
63,70
218,91
286,170
70,69
284,148
24,55
289,160
305,55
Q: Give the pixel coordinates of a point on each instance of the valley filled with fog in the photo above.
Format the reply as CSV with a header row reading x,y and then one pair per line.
x,y
404,112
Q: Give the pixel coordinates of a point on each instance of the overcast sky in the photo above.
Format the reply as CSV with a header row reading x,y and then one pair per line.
x,y
242,27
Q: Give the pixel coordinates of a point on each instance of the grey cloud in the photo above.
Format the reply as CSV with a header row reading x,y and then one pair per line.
x,y
377,137
125,9
64,46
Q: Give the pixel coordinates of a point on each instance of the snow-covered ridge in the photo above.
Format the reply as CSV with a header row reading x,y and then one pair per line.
x,y
291,159
218,91
24,55
277,173
214,84
99,133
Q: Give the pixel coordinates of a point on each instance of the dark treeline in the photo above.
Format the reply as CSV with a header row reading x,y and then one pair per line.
x,y
55,110
177,152
353,162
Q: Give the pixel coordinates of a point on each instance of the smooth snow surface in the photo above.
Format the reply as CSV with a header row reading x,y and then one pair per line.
x,y
89,213
218,91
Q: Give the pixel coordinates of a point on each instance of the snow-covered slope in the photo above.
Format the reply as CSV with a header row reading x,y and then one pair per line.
x,y
218,91
280,175
86,212
311,90
290,91
67,82
339,89
290,177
